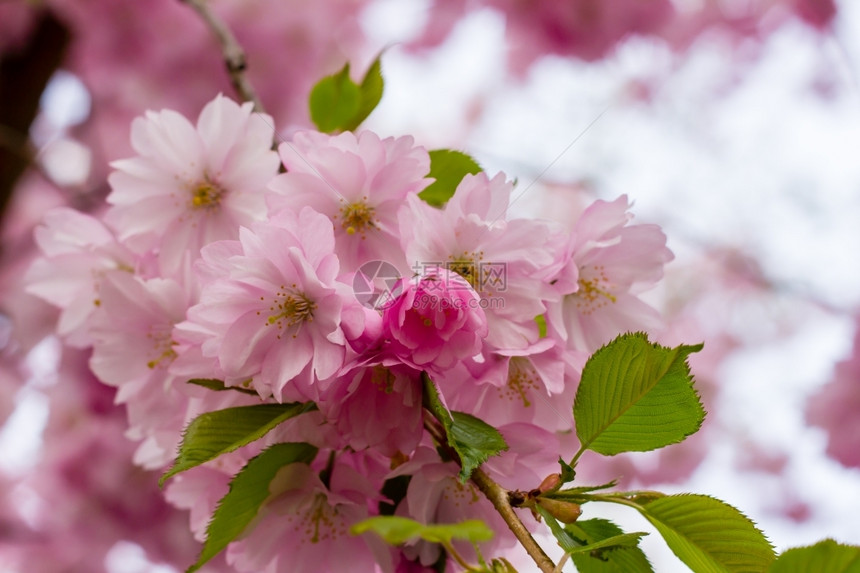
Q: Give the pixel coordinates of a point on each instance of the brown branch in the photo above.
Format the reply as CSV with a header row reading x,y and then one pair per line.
x,y
234,55
498,496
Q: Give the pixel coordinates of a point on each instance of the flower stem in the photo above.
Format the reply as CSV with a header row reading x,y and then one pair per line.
x,y
234,55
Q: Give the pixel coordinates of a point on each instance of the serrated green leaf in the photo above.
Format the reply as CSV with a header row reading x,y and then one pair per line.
x,y
607,548
636,396
397,530
826,555
334,101
218,386
370,93
248,490
447,167
474,440
708,535
214,433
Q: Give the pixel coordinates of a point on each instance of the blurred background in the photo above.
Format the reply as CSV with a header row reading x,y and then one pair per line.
x,y
733,124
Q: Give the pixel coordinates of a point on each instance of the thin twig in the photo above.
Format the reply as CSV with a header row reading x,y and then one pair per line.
x,y
498,496
234,55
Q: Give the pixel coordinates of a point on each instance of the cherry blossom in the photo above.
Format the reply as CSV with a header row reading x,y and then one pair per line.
x,y
276,317
191,185
609,264
359,182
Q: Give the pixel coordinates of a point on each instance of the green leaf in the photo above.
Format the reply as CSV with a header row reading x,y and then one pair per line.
x,y
433,402
474,440
248,490
335,101
370,93
447,167
607,549
218,386
636,396
826,555
709,535
396,530
214,433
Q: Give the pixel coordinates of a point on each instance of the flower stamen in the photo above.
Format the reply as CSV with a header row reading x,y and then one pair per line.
x,y
206,195
291,308
357,218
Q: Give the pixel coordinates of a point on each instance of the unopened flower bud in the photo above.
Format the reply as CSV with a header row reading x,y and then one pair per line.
x,y
564,511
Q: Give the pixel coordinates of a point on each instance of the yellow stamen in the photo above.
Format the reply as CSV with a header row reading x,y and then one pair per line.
x,y
357,218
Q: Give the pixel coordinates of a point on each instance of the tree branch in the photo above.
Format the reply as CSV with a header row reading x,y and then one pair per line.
x,y
498,496
234,55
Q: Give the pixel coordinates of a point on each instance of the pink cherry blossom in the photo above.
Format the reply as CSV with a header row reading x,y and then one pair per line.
x,y
132,350
192,185
376,405
609,263
276,312
359,182
436,321
534,386
304,525
78,252
504,260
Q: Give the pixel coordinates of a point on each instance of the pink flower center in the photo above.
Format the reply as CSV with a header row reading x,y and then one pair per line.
x,y
289,309
522,378
206,195
382,378
162,350
468,266
594,289
320,522
357,217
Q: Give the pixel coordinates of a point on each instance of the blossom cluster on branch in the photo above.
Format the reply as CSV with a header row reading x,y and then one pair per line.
x,y
209,264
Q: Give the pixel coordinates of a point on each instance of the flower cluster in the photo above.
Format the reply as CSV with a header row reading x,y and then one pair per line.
x,y
210,264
